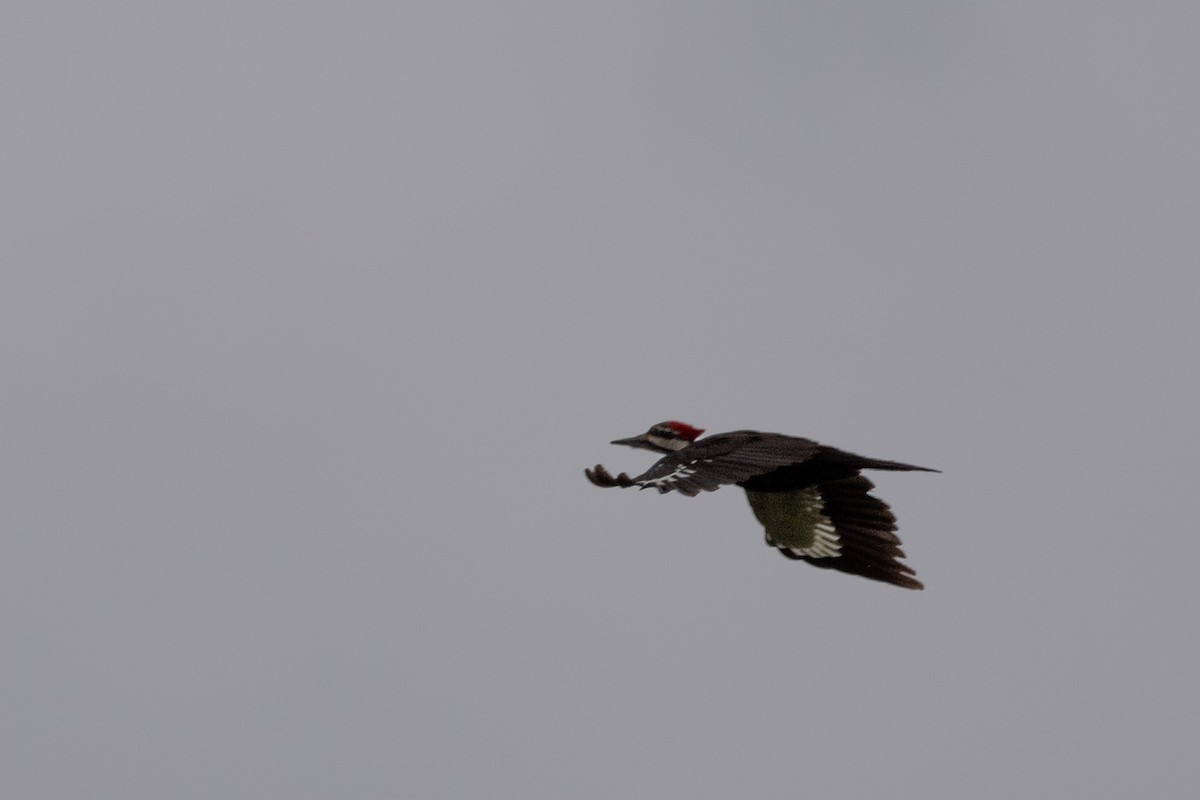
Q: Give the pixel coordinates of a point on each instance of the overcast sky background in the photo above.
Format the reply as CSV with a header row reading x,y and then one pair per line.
x,y
312,315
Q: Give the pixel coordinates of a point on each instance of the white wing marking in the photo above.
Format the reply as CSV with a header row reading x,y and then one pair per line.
x,y
681,472
797,516
826,542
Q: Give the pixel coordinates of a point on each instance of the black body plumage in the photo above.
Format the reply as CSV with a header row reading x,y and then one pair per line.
x,y
810,498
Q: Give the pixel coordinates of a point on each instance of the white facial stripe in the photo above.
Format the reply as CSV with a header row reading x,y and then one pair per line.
x,y
666,442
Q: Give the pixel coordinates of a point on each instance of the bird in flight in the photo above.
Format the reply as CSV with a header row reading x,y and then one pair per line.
x,y
810,498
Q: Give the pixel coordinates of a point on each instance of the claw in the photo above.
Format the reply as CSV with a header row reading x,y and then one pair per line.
x,y
599,476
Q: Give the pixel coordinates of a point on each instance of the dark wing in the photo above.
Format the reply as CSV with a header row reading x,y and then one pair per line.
x,y
850,531
716,461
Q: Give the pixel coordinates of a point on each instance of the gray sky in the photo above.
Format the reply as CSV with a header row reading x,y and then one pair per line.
x,y
313,314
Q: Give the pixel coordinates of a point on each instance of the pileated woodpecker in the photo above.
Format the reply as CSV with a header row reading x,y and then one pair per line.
x,y
810,498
